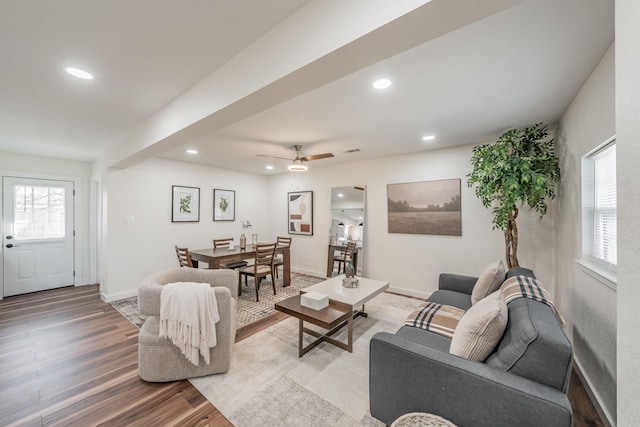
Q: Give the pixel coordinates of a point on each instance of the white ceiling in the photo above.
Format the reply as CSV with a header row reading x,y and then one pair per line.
x,y
515,68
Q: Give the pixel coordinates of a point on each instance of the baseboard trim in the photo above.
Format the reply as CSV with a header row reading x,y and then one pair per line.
x,y
605,416
409,292
116,297
309,272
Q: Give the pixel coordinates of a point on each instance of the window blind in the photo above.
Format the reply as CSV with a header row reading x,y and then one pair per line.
x,y
605,206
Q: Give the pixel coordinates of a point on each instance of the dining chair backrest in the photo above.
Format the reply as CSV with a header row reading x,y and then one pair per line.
x,y
184,258
264,254
283,242
222,243
351,248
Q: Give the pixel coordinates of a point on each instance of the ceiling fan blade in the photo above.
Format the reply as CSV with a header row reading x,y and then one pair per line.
x,y
316,157
359,188
274,157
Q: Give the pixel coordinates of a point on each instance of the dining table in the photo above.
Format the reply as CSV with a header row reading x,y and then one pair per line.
x,y
215,257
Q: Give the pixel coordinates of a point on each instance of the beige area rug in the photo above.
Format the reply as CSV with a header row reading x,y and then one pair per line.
x,y
249,310
268,385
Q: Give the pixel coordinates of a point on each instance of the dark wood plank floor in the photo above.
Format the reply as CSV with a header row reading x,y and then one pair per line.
x,y
69,359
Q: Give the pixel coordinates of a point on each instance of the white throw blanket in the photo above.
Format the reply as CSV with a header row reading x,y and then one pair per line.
x,y
188,314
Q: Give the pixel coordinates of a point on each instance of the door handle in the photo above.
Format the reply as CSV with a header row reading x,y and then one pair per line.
x,y
9,245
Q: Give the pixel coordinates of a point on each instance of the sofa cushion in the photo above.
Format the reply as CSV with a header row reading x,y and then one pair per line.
x,y
438,318
426,338
480,329
488,282
534,345
453,298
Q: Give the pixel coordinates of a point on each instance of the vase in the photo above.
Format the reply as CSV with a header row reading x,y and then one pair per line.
x,y
350,280
243,241
348,269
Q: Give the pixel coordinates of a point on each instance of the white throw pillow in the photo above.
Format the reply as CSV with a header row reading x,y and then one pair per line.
x,y
480,328
488,282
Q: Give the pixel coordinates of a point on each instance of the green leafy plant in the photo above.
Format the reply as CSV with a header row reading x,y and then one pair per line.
x,y
224,204
185,204
519,168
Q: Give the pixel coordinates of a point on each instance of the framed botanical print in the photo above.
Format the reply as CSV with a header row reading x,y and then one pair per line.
x,y
185,204
300,212
224,205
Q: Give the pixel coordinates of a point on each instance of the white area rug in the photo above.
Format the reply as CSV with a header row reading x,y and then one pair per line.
x,y
268,385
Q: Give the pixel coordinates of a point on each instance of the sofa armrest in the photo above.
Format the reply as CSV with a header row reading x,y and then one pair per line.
x,y
405,376
456,282
227,308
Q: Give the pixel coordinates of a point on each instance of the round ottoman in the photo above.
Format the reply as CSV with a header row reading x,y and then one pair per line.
x,y
421,419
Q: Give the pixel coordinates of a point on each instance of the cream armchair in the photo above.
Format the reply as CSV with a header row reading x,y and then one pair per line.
x,y
158,359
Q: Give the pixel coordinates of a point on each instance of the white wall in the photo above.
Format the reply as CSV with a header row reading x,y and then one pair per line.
x,y
628,167
79,172
590,303
134,251
411,263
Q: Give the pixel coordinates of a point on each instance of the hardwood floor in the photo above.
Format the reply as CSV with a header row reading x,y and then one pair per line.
x,y
69,359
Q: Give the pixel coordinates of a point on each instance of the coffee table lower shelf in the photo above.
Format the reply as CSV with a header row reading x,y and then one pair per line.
x,y
332,318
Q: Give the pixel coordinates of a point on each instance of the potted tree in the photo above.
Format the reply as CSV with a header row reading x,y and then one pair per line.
x,y
519,168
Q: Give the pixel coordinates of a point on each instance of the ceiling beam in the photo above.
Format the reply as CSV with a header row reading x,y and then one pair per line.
x,y
321,42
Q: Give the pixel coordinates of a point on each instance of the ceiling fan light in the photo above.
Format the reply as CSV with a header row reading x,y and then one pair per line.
x,y
297,166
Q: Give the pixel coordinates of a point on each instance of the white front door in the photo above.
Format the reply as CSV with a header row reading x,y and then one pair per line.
x,y
37,234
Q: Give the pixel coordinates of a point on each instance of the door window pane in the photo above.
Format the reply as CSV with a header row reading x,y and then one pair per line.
x,y
39,212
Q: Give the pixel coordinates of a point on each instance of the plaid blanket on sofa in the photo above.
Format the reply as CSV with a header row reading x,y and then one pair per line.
x,y
437,318
528,287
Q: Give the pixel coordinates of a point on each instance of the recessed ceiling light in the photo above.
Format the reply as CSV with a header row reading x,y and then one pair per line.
x,y
191,151
340,195
269,167
382,83
428,138
81,74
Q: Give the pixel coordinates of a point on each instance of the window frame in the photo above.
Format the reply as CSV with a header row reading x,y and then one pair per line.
x,y
602,268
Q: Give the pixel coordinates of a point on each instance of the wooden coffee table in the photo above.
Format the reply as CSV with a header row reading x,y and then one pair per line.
x,y
344,305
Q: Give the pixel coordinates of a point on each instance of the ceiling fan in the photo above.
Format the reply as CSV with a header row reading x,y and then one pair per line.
x,y
298,165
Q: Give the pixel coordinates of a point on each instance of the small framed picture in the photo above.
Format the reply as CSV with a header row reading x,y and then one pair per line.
x,y
300,212
224,205
185,204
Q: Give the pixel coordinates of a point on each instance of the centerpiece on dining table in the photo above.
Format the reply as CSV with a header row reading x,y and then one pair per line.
x,y
246,225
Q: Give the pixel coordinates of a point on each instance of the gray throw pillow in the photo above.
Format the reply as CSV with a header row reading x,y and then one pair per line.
x,y
488,282
481,328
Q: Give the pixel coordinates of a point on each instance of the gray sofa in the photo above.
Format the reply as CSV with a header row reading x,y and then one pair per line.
x,y
522,383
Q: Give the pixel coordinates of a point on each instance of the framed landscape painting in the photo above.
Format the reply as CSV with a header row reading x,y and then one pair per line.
x,y
185,204
300,213
224,205
427,207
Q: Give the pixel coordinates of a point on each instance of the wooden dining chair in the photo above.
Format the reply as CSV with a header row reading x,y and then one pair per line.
x,y
184,258
344,256
225,244
261,268
281,242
